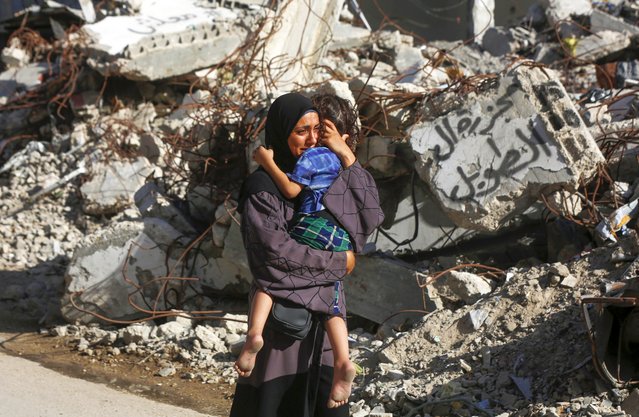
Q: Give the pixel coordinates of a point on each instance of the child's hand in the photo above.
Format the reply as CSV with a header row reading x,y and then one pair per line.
x,y
330,136
337,143
262,155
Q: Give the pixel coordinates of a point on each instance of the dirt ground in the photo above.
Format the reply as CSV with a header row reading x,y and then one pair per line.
x,y
20,337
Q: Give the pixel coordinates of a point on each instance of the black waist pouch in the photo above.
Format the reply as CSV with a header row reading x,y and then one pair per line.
x,y
290,319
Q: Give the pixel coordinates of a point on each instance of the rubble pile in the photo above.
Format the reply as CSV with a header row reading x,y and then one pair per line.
x,y
127,127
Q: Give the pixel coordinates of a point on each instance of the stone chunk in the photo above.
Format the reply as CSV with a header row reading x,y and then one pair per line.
x,y
464,286
109,265
493,157
600,21
569,282
557,10
113,185
153,203
600,45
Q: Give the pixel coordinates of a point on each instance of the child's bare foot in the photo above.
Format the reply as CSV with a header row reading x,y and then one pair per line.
x,y
246,361
343,376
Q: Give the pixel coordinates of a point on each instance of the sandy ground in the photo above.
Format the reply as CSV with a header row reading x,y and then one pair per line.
x,y
31,390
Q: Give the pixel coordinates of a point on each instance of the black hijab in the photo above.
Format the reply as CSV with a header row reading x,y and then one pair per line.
x,y
282,117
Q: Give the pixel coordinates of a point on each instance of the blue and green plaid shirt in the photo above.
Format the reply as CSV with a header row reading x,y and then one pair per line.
x,y
316,170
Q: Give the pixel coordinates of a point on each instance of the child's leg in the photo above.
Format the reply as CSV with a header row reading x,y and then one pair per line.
x,y
260,309
343,369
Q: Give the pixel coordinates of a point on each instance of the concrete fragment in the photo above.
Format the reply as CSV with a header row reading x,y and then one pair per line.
x,y
17,81
477,318
136,333
237,323
209,338
559,269
293,49
173,330
481,18
600,21
225,269
464,286
566,203
372,295
13,55
570,281
108,266
558,10
548,53
151,202
601,44
490,159
162,41
501,41
379,153
414,219
113,185
347,36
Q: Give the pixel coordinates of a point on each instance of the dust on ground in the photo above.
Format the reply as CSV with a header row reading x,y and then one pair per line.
x,y
20,336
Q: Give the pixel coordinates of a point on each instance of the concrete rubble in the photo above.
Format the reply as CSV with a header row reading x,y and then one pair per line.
x,y
124,142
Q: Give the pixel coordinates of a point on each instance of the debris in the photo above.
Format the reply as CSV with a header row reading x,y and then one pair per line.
x,y
552,148
615,320
615,224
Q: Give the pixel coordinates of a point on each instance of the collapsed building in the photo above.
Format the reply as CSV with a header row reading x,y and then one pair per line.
x,y
143,118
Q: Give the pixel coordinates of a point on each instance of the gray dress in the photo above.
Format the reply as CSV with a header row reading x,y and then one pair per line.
x,y
287,379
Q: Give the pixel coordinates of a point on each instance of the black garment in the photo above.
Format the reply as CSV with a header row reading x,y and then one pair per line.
x,y
304,394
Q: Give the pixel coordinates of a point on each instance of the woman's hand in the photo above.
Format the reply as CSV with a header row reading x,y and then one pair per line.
x,y
350,261
261,155
331,138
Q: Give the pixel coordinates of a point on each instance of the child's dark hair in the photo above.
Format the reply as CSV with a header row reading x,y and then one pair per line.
x,y
341,113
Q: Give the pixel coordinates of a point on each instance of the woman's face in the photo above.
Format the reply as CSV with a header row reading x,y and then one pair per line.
x,y
304,134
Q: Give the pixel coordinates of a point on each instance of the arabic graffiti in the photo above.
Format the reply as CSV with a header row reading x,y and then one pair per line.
x,y
500,147
148,25
503,165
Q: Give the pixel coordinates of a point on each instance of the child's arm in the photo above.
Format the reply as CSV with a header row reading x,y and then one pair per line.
x,y
264,157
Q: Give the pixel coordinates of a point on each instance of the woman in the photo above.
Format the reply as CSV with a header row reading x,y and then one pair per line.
x,y
293,377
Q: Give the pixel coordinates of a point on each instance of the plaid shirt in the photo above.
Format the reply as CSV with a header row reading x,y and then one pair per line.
x,y
316,170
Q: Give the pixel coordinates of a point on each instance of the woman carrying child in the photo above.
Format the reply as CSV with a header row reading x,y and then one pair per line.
x,y
281,376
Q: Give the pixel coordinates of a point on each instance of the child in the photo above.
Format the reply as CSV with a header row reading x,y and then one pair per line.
x,y
314,172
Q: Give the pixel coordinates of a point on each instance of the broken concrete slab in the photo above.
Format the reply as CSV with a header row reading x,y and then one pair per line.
x,y
380,287
223,270
162,42
559,10
113,185
601,45
414,220
481,17
152,202
293,49
347,36
109,265
600,21
500,41
492,158
380,155
16,81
